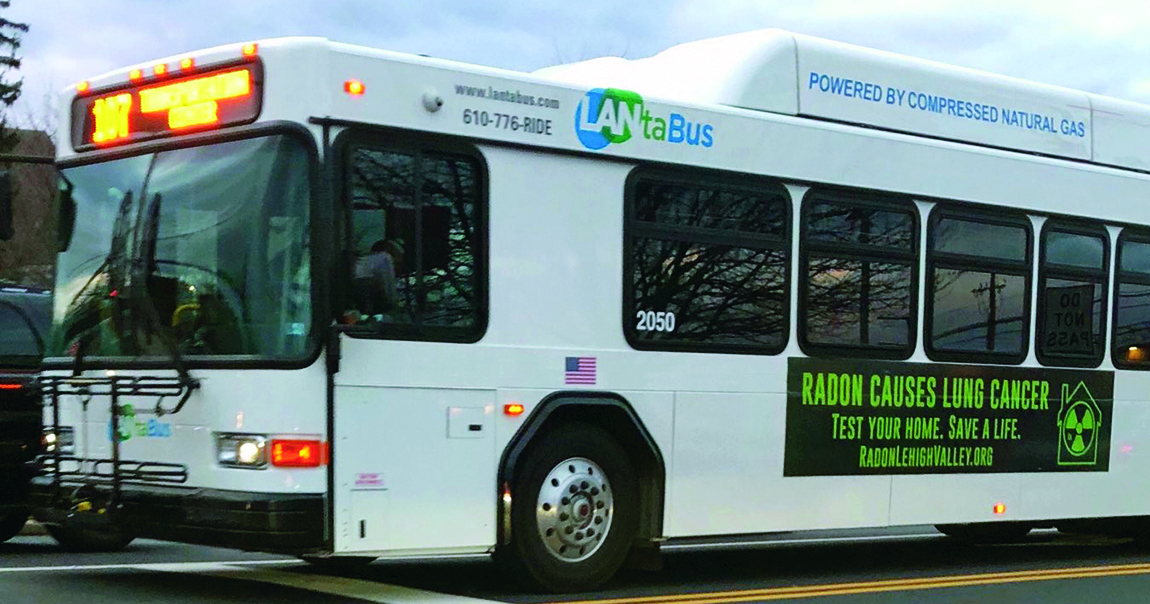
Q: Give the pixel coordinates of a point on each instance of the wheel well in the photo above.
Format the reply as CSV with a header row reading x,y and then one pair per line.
x,y
611,413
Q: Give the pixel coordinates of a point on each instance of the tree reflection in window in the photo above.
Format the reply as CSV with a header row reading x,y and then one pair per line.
x,y
422,209
708,265
859,260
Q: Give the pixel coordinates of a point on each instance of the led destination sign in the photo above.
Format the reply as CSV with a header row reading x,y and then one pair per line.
x,y
222,97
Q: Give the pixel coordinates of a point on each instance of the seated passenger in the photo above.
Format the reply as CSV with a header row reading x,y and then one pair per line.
x,y
374,278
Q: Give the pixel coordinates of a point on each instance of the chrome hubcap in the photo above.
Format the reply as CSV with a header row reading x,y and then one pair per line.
x,y
574,509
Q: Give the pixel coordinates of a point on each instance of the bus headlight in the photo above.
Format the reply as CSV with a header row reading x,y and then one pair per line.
x,y
242,450
62,438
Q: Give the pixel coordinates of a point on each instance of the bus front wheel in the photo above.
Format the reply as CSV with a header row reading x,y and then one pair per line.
x,y
89,540
576,510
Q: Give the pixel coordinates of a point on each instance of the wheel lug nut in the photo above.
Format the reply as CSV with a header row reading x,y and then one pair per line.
x,y
594,490
583,485
569,530
579,536
598,505
563,517
574,489
565,501
598,520
590,532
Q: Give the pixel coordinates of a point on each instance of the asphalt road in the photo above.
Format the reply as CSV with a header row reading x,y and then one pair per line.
x,y
912,565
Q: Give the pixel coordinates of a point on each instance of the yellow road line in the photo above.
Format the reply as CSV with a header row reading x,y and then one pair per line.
x,y
831,589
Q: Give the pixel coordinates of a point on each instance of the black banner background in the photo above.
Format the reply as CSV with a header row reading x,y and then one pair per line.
x,y
962,418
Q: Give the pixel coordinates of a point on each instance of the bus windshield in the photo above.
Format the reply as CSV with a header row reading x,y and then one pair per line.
x,y
196,252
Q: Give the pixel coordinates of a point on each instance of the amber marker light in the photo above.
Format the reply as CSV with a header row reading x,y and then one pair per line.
x,y
250,49
297,453
512,409
354,87
187,63
83,87
160,69
999,508
135,74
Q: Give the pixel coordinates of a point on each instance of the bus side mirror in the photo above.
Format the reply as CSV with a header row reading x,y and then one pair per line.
x,y
65,216
7,229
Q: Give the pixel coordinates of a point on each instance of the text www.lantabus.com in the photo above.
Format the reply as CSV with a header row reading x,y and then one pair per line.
x,y
506,96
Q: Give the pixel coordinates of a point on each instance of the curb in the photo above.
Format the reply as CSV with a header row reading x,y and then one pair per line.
x,y
33,529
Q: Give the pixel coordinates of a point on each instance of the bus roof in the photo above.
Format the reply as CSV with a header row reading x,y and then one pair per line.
x,y
792,74
769,71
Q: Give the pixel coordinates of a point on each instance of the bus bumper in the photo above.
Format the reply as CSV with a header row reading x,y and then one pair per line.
x,y
267,522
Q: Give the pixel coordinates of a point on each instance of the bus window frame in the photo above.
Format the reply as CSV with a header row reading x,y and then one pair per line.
x,y
864,198
1001,216
385,139
1137,234
702,177
1102,277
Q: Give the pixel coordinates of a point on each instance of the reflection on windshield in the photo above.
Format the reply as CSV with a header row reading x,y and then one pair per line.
x,y
203,249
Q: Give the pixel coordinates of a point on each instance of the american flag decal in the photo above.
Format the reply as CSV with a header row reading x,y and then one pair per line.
x,y
579,370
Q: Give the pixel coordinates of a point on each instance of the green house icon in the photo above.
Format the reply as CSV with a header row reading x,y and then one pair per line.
x,y
1079,422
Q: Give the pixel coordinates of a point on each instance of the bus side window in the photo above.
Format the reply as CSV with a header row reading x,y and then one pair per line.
x,y
1131,310
706,263
416,244
978,281
860,260
1072,295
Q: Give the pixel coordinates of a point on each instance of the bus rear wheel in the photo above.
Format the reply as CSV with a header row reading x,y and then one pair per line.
x,y
89,540
986,532
576,510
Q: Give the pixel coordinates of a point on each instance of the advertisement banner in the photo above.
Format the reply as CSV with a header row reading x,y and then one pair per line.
x,y
861,417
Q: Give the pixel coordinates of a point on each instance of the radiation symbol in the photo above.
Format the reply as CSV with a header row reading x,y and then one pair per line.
x,y
1079,428
1080,422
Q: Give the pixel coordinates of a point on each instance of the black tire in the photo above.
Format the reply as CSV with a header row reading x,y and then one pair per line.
x,y
529,555
11,524
89,540
986,532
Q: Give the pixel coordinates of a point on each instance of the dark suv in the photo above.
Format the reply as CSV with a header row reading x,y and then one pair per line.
x,y
25,315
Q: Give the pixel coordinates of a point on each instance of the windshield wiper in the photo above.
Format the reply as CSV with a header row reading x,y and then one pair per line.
x,y
144,264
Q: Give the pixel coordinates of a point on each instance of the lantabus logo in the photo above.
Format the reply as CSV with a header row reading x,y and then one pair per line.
x,y
611,115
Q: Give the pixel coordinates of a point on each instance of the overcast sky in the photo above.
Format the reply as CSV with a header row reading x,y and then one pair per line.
x,y
1101,46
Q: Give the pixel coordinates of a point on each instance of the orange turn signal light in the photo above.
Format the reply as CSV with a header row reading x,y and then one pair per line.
x,y
187,63
513,409
83,87
297,453
250,49
354,87
135,74
160,69
999,508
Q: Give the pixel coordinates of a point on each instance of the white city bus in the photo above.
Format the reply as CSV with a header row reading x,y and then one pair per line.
x,y
354,303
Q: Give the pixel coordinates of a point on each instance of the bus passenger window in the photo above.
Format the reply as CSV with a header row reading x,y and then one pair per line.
x,y
1131,309
978,281
416,244
1072,295
860,261
706,264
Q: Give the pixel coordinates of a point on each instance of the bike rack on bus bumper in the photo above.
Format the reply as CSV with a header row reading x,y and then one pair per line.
x,y
81,485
